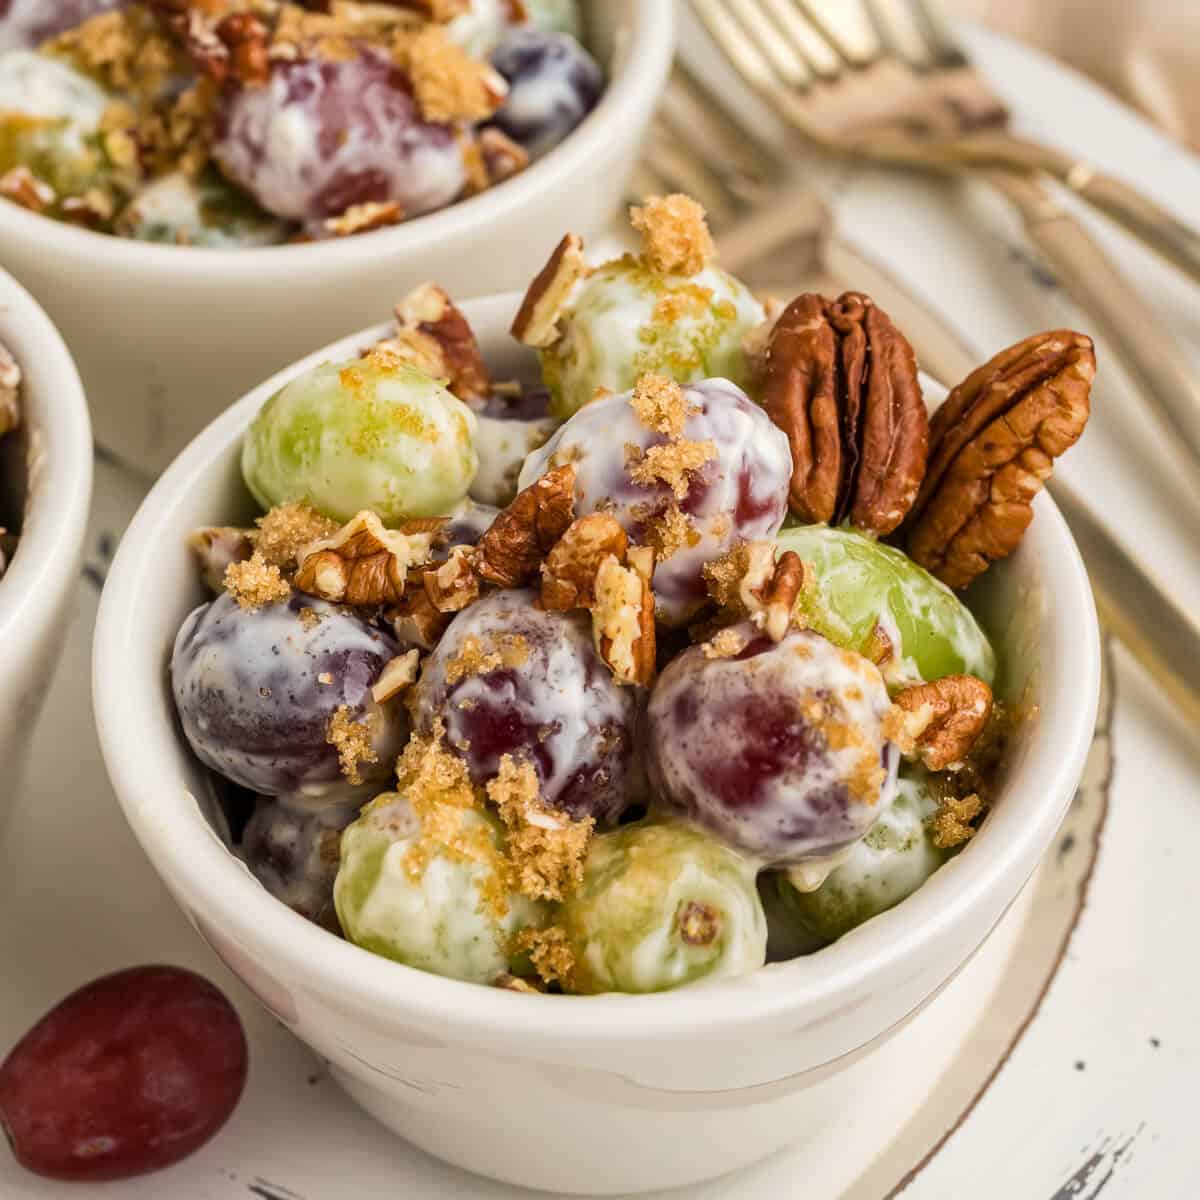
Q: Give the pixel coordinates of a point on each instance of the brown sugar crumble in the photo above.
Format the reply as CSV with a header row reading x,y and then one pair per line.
x,y
671,531
479,656
550,952
286,529
352,741
952,823
546,848
675,236
673,463
255,583
660,405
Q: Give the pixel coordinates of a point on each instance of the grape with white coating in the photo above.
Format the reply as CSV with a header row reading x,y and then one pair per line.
x,y
257,690
739,495
179,211
553,83
27,23
293,850
367,433
555,16
859,592
893,859
777,749
626,320
325,134
508,678
419,903
661,906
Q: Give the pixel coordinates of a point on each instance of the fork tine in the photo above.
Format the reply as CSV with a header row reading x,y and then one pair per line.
x,y
846,26
820,56
788,66
929,19
893,21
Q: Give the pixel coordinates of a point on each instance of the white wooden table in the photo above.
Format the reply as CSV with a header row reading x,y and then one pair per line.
x,y
1060,1064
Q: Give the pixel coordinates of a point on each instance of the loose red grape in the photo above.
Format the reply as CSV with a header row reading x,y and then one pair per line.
x,y
127,1075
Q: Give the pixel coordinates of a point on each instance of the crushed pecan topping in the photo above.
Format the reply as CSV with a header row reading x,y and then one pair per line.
x,y
433,335
569,572
415,621
536,322
841,381
362,218
939,722
511,551
10,391
246,38
398,675
453,585
749,583
363,563
23,187
993,446
675,236
216,548
699,924
623,617
502,157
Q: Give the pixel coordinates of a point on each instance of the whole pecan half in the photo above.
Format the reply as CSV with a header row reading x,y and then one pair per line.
x,y
841,381
993,446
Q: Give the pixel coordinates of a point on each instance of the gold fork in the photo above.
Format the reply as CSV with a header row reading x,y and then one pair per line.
x,y
778,237
885,79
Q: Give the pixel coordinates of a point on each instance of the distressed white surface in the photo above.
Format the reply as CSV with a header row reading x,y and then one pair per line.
x,y
77,898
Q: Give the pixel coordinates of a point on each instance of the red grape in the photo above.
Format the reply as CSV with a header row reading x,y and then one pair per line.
x,y
130,1073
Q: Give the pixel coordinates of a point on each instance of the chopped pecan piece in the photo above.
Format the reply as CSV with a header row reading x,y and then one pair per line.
x,y
416,622
569,572
434,10
841,382
363,563
749,583
399,674
453,585
362,218
623,617
216,548
433,335
514,547
993,446
23,187
502,157
939,722
536,323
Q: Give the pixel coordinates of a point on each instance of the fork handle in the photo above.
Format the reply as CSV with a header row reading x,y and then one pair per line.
x,y
1157,366
1164,232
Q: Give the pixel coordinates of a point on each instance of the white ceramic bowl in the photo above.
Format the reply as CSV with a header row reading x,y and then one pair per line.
x,y
167,336
47,466
598,1094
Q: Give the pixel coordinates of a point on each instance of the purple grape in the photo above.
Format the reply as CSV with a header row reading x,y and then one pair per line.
x,y
553,84
529,404
256,692
778,750
323,135
741,495
508,678
27,23
293,851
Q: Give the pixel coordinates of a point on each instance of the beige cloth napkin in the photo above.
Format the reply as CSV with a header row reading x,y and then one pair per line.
x,y
1147,51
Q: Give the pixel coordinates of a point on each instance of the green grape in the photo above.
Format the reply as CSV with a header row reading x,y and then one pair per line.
x,y
432,908
50,117
367,433
626,320
887,865
179,211
556,16
861,584
661,906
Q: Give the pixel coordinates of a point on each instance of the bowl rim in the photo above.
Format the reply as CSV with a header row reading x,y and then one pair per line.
x,y
139,739
58,426
647,47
